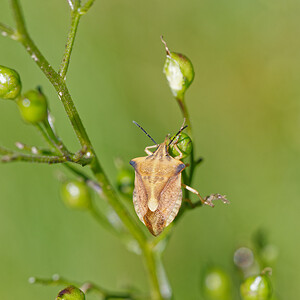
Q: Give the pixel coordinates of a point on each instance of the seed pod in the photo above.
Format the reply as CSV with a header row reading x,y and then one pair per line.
x,y
216,284
76,194
33,107
10,83
71,293
125,181
256,288
179,72
184,144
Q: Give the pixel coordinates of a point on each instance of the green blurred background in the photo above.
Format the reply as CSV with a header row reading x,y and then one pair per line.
x,y
245,110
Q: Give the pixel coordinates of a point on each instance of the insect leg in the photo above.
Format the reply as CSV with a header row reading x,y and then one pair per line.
x,y
180,153
203,201
149,147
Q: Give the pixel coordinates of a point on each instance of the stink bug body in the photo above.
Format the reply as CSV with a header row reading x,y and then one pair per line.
x,y
157,195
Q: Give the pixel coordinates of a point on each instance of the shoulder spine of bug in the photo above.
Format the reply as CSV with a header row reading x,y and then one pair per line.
x,y
157,195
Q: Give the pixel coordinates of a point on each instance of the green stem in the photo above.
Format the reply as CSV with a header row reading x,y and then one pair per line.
x,y
10,156
150,262
45,136
84,9
86,287
71,4
57,143
185,113
69,46
5,30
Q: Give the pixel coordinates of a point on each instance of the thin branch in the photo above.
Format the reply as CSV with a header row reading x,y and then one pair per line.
x,y
87,287
12,156
69,46
7,31
18,16
57,143
85,8
34,149
70,2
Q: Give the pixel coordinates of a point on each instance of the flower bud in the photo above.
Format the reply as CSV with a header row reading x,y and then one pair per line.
x,y
71,293
179,72
184,144
33,106
76,194
256,288
125,181
216,284
10,83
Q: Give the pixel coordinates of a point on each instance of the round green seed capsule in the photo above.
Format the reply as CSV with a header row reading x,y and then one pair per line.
x,y
216,284
10,83
179,72
76,194
256,288
33,107
184,144
125,181
71,293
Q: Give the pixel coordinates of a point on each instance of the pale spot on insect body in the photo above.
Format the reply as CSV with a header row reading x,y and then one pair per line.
x,y
152,204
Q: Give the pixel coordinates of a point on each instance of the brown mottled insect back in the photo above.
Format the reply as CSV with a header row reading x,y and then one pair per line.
x,y
157,195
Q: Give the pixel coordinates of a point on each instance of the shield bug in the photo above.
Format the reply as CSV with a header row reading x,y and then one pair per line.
x,y
157,194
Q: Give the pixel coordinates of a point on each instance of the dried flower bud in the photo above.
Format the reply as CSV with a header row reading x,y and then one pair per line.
x,y
10,83
33,106
76,194
71,293
256,288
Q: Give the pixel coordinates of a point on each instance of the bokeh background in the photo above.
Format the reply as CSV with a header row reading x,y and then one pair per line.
x,y
245,110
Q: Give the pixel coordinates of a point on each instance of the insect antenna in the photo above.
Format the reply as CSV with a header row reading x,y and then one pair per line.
x,y
148,135
181,129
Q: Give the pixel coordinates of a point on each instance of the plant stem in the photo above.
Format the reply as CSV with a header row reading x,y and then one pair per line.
x,y
71,4
185,113
151,266
86,287
5,30
57,143
69,46
84,9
